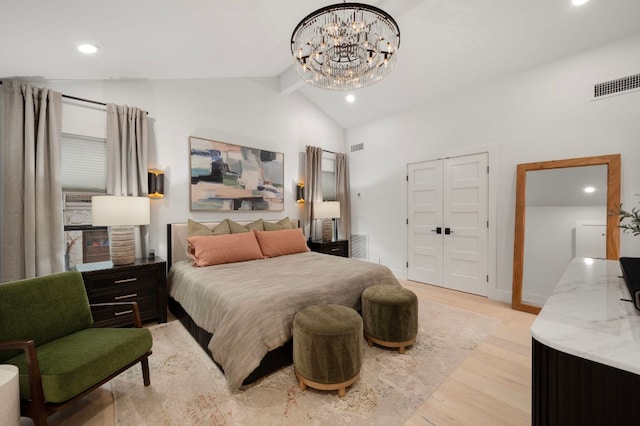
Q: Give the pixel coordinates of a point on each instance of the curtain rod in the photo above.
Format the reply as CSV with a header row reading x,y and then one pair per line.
x,y
83,100
330,152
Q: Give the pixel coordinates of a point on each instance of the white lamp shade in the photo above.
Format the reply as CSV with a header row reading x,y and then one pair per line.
x,y
326,210
110,210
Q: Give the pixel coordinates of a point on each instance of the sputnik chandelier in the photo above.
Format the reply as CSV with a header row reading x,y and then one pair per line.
x,y
345,46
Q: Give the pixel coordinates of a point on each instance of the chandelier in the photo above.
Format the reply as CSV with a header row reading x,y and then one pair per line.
x,y
345,46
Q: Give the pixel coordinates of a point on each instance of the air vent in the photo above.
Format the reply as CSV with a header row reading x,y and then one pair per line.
x,y
357,147
617,86
359,246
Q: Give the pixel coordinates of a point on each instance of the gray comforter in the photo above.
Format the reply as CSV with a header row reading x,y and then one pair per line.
x,y
249,306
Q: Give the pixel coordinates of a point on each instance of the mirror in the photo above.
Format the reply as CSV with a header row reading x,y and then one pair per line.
x,y
545,206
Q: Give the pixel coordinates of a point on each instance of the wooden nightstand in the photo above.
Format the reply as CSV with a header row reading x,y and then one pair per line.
x,y
144,281
336,248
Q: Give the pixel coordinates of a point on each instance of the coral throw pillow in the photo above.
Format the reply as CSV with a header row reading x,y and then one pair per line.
x,y
279,243
218,249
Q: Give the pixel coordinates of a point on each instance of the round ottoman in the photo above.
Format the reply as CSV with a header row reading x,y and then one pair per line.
x,y
327,347
390,316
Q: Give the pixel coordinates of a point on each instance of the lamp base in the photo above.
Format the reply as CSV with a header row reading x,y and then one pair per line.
x,y
123,245
327,230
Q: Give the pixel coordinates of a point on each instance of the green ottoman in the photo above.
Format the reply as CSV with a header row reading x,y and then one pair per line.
x,y
327,347
390,316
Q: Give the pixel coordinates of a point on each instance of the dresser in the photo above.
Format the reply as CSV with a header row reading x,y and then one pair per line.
x,y
335,248
586,350
144,281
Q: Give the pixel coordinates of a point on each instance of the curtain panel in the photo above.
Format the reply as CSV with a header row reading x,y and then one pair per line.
x,y
343,195
312,188
32,218
127,138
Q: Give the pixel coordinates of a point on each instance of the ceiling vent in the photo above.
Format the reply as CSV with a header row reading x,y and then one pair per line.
x,y
617,86
357,147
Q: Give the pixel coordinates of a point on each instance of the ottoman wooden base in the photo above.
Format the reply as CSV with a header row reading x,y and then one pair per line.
x,y
400,345
340,387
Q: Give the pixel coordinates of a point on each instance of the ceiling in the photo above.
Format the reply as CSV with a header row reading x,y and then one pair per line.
x,y
446,46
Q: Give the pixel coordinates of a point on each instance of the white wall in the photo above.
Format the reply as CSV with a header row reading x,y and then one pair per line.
x,y
248,112
543,114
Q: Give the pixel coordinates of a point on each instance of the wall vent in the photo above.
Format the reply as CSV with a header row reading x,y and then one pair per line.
x,y
617,86
357,147
359,246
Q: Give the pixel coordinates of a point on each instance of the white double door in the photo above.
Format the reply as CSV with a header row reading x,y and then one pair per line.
x,y
448,222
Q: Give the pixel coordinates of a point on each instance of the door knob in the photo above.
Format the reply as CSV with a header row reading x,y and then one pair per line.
x,y
438,230
448,231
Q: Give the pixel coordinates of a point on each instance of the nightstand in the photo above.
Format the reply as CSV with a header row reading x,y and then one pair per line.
x,y
336,248
144,281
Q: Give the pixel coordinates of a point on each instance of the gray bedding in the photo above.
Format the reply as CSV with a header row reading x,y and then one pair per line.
x,y
249,306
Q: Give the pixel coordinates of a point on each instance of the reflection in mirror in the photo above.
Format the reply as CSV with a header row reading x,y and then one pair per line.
x,y
566,211
557,221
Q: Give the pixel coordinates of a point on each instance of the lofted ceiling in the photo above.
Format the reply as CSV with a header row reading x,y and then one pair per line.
x,y
446,45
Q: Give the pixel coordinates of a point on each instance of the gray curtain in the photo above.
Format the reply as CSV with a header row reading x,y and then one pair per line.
x,y
127,136
312,188
32,218
343,195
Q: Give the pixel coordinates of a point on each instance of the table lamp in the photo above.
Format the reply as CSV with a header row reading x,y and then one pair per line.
x,y
120,214
328,210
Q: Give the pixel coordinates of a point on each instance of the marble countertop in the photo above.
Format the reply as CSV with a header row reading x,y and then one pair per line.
x,y
586,317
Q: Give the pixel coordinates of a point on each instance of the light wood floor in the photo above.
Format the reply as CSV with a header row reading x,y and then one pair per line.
x,y
491,387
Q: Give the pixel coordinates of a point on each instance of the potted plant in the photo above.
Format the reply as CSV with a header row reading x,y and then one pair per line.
x,y
629,221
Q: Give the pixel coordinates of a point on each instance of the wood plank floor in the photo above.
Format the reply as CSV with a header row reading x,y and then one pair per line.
x,y
491,387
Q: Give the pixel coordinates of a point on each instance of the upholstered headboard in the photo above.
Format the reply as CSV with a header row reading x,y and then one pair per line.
x,y
177,238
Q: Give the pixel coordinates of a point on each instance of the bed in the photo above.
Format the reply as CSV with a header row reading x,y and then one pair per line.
x,y
241,313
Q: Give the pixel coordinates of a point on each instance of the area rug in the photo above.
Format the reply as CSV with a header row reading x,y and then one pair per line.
x,y
188,389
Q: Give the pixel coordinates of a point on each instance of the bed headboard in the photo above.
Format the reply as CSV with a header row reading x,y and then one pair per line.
x,y
177,238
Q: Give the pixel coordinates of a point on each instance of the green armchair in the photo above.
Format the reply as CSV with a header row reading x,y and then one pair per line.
x,y
45,330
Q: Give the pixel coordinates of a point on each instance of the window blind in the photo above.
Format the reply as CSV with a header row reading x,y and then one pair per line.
x,y
83,163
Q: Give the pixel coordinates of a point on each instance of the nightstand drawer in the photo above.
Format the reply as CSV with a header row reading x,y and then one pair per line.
x,y
126,293
121,280
335,248
122,315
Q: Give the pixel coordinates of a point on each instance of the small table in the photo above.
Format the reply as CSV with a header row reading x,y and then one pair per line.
x,y
335,248
9,395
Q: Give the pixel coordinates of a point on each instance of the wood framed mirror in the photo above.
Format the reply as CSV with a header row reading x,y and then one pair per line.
x,y
612,232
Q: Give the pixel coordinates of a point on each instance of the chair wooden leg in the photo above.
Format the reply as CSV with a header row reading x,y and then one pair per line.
x,y
145,371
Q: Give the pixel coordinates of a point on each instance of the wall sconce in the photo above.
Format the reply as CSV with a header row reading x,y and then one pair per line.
x,y
300,193
156,183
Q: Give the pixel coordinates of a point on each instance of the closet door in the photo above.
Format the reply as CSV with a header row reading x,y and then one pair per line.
x,y
447,223
425,222
465,214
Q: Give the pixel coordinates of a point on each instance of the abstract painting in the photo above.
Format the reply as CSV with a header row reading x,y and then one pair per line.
x,y
226,177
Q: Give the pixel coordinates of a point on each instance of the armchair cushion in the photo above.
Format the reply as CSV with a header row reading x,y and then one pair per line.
x,y
73,363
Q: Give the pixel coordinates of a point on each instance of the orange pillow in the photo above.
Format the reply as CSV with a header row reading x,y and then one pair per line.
x,y
217,249
281,242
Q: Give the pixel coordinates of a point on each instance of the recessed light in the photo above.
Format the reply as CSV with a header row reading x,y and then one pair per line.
x,y
578,2
589,189
87,48
350,98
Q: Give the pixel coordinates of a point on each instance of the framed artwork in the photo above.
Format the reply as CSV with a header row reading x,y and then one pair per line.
x,y
226,177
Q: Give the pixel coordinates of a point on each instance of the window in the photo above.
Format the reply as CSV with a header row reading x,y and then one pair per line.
x,y
329,177
84,173
84,163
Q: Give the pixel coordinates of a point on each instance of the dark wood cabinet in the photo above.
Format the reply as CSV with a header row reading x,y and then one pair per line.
x,y
336,248
144,281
